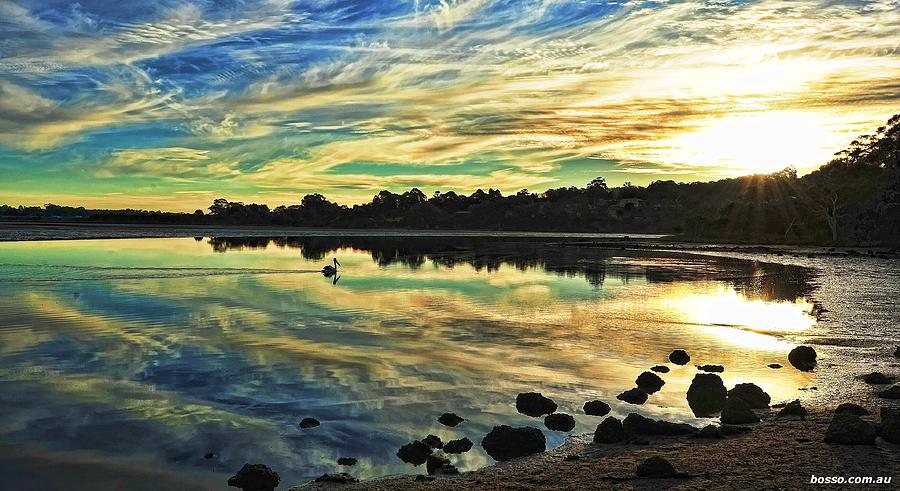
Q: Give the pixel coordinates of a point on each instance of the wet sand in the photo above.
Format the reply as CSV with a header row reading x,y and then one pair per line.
x,y
776,454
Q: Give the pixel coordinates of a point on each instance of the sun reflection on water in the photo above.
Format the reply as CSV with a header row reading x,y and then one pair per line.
x,y
378,355
729,308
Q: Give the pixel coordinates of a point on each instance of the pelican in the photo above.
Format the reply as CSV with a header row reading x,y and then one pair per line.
x,y
330,270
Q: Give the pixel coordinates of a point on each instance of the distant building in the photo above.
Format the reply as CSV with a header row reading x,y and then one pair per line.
x,y
630,203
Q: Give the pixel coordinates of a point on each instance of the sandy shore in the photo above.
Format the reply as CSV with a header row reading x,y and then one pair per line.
x,y
776,454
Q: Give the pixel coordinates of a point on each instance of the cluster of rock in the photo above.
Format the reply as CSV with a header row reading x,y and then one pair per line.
x,y
422,451
707,396
847,426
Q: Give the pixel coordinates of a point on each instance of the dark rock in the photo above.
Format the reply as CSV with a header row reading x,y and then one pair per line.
x,y
891,393
450,419
209,456
849,429
660,369
534,404
559,422
706,395
346,461
569,458
415,453
433,441
636,424
679,357
649,382
890,424
458,446
711,368
803,358
709,432
878,378
505,442
737,412
849,407
423,477
596,408
793,409
340,478
610,430
656,467
439,464
633,396
255,477
732,430
774,365
308,423
752,394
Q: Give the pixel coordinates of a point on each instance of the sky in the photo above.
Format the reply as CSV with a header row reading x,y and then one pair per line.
x,y
168,104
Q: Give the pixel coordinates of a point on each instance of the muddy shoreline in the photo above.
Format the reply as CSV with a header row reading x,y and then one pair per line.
x,y
776,454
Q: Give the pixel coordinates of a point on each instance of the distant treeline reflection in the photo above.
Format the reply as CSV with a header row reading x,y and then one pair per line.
x,y
754,279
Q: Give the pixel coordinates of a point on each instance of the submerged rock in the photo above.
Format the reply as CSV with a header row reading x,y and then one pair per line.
x,y
596,408
891,393
255,477
339,478
711,368
793,409
450,419
458,446
706,395
656,467
610,430
308,423
633,396
415,453
849,429
752,394
433,441
636,424
649,382
346,461
440,464
803,358
709,432
505,442
737,412
559,422
660,369
890,424
534,404
679,357
209,456
849,407
878,378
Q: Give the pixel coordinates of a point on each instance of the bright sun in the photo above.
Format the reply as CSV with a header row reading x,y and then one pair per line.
x,y
763,142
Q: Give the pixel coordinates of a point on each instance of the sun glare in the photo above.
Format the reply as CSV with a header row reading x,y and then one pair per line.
x,y
757,143
730,308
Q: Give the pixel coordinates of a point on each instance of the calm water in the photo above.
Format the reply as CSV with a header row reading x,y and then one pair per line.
x,y
123,362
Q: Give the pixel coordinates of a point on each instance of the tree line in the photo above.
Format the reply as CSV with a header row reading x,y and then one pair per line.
x,y
855,198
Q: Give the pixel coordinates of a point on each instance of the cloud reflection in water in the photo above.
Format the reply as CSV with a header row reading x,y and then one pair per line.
x,y
166,349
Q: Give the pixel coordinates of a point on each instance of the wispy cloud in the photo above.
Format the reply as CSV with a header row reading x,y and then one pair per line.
x,y
279,94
